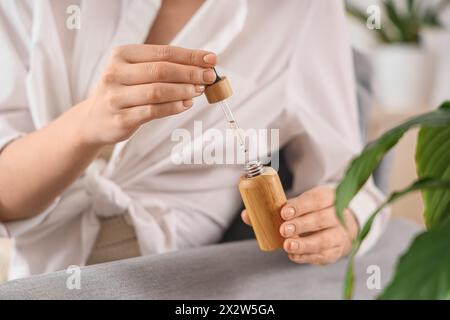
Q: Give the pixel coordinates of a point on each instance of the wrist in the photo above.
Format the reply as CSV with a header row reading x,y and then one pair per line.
x,y
80,135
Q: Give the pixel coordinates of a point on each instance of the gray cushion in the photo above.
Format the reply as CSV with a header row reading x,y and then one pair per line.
x,y
236,270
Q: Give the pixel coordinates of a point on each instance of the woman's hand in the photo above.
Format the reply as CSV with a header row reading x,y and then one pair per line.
x,y
142,83
312,230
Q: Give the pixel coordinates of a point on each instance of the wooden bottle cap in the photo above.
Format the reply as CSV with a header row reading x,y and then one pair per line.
x,y
219,91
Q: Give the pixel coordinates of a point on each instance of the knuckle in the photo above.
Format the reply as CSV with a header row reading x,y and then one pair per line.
x,y
340,252
151,112
189,90
339,235
321,260
332,217
121,123
154,93
164,52
320,224
191,75
328,190
112,99
335,255
321,221
304,225
302,246
192,57
179,107
146,112
118,52
319,189
156,71
322,242
317,197
148,68
344,238
109,76
348,216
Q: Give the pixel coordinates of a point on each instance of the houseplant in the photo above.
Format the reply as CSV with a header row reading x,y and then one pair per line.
x,y
403,68
423,272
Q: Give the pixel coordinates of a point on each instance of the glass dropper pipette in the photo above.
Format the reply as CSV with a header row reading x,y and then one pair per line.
x,y
219,92
232,123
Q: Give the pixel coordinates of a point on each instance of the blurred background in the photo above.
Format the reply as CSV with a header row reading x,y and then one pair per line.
x,y
409,58
402,60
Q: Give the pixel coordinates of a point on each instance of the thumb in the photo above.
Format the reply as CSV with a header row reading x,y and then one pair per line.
x,y
245,217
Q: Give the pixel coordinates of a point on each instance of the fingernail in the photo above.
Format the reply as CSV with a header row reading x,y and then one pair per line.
x,y
199,89
288,212
289,230
210,58
293,246
188,103
209,76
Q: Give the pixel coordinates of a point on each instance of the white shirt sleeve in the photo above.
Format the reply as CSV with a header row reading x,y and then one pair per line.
x,y
15,118
15,115
322,113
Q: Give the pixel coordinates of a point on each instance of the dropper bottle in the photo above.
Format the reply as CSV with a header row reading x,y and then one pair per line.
x,y
260,186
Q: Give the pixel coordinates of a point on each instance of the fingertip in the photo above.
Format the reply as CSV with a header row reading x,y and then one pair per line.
x,y
245,218
281,230
188,103
210,58
287,230
209,76
286,246
288,212
199,89
295,258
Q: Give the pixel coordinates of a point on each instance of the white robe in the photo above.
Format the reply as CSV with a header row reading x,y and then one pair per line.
x,y
290,65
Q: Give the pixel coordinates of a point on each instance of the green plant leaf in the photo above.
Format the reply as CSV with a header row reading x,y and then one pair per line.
x,y
400,22
411,7
422,184
362,166
433,160
423,272
392,13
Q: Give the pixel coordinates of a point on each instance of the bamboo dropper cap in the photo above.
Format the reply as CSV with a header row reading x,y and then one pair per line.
x,y
219,90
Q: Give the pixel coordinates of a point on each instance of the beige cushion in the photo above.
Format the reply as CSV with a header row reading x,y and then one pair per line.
x,y
116,240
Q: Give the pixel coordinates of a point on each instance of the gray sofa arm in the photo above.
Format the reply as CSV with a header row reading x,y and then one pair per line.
x,y
236,270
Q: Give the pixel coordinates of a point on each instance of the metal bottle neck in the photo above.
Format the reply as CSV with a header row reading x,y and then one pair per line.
x,y
253,169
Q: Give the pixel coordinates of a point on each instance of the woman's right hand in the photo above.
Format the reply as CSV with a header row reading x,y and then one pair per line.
x,y
142,83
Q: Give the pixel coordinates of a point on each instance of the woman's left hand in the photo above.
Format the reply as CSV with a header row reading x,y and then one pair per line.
x,y
312,230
